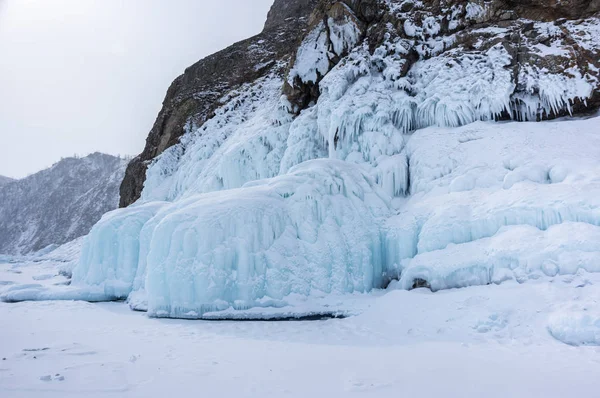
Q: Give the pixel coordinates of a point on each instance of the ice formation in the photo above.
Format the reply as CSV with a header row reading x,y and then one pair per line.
x,y
395,172
314,229
243,142
577,328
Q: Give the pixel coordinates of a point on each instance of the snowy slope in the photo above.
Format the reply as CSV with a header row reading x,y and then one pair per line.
x,y
5,180
58,204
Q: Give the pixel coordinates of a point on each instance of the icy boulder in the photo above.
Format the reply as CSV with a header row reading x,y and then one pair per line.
x,y
492,202
516,253
111,253
314,230
576,328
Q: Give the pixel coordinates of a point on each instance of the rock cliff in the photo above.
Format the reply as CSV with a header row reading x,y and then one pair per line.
x,y
456,61
193,97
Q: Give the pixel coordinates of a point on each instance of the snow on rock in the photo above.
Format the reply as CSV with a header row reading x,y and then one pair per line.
x,y
312,58
333,37
5,180
243,142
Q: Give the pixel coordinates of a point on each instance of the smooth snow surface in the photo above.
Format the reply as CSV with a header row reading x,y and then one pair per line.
x,y
484,341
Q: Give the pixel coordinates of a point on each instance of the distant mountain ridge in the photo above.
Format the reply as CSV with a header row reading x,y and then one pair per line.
x,y
5,180
58,204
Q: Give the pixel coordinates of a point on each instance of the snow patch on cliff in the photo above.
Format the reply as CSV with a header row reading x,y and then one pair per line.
x,y
243,142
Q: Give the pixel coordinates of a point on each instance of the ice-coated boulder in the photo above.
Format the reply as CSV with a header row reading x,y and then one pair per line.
x,y
315,230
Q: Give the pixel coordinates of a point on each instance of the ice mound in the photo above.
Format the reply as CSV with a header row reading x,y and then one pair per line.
x,y
314,230
515,253
578,328
111,252
493,201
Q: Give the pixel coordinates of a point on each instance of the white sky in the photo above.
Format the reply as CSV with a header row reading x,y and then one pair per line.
x,y
79,76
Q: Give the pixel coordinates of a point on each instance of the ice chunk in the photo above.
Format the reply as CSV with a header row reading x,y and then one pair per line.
x,y
576,328
111,252
518,252
20,293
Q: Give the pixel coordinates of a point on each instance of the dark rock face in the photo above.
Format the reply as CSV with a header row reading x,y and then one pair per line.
x,y
193,96
59,204
541,38
550,10
284,11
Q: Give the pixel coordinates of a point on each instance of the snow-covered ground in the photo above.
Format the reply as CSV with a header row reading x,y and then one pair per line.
x,y
507,340
390,180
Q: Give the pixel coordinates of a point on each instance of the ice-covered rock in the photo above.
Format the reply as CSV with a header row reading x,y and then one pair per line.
x,y
405,142
468,184
195,95
113,251
314,229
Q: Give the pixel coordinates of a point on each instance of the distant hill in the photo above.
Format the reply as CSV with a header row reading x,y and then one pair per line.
x,y
58,204
5,180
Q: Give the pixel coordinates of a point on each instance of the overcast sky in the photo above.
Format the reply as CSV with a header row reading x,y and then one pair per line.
x,y
79,76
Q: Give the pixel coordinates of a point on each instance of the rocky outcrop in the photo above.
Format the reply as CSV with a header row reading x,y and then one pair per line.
x,y
550,48
59,204
450,62
193,96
